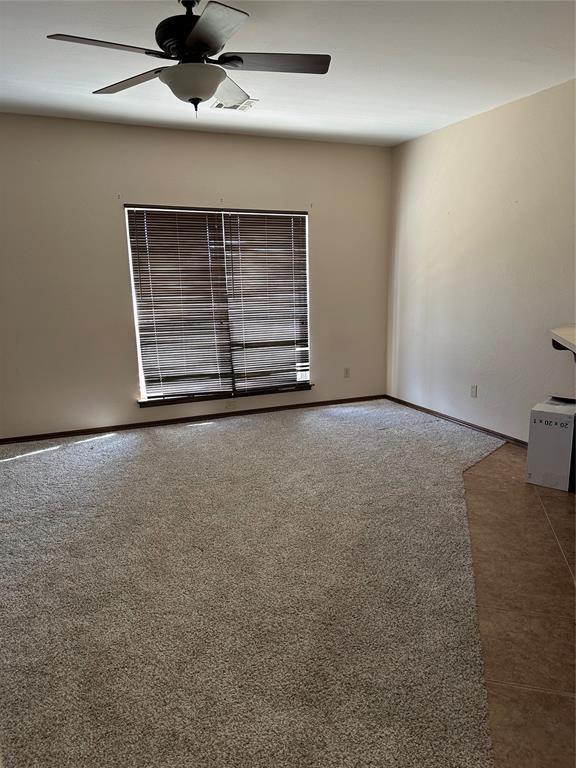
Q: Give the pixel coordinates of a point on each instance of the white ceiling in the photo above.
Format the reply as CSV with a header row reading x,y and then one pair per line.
x,y
399,69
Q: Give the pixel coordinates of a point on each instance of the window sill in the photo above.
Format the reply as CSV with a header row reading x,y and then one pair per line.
x,y
153,402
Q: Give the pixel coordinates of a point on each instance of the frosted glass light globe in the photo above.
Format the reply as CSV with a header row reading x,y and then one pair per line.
x,y
191,82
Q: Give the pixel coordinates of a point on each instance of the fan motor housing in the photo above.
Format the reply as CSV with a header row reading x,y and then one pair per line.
x,y
172,33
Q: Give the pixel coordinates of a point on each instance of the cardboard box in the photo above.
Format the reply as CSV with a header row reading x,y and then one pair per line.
x,y
551,445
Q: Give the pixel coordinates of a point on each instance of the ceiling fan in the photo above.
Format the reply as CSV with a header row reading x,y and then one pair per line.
x,y
191,40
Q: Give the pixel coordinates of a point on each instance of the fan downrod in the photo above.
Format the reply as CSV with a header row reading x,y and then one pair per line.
x,y
189,5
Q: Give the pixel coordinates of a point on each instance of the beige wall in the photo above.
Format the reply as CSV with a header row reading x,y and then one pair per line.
x,y
67,334
482,262
481,266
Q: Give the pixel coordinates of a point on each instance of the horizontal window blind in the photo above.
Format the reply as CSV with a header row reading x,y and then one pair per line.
x,y
181,299
221,301
267,300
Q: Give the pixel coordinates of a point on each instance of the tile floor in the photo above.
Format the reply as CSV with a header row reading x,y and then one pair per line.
x,y
523,553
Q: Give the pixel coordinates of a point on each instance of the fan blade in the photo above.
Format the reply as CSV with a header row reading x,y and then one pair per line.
x,y
230,94
305,63
214,27
105,44
130,81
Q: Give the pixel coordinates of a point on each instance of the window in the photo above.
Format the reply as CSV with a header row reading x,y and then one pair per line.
x,y
221,302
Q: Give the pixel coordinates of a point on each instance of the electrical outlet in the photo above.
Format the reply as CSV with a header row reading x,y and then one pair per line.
x,y
346,373
474,390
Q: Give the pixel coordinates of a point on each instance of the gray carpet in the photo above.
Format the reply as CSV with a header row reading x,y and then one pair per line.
x,y
288,590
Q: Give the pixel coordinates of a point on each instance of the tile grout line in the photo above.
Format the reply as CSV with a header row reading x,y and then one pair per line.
x,y
497,485
487,476
522,612
555,536
554,615
526,687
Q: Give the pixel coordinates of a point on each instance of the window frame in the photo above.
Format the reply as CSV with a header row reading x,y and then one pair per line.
x,y
145,402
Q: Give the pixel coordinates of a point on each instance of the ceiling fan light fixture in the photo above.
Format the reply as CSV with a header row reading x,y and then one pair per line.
x,y
191,39
193,82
